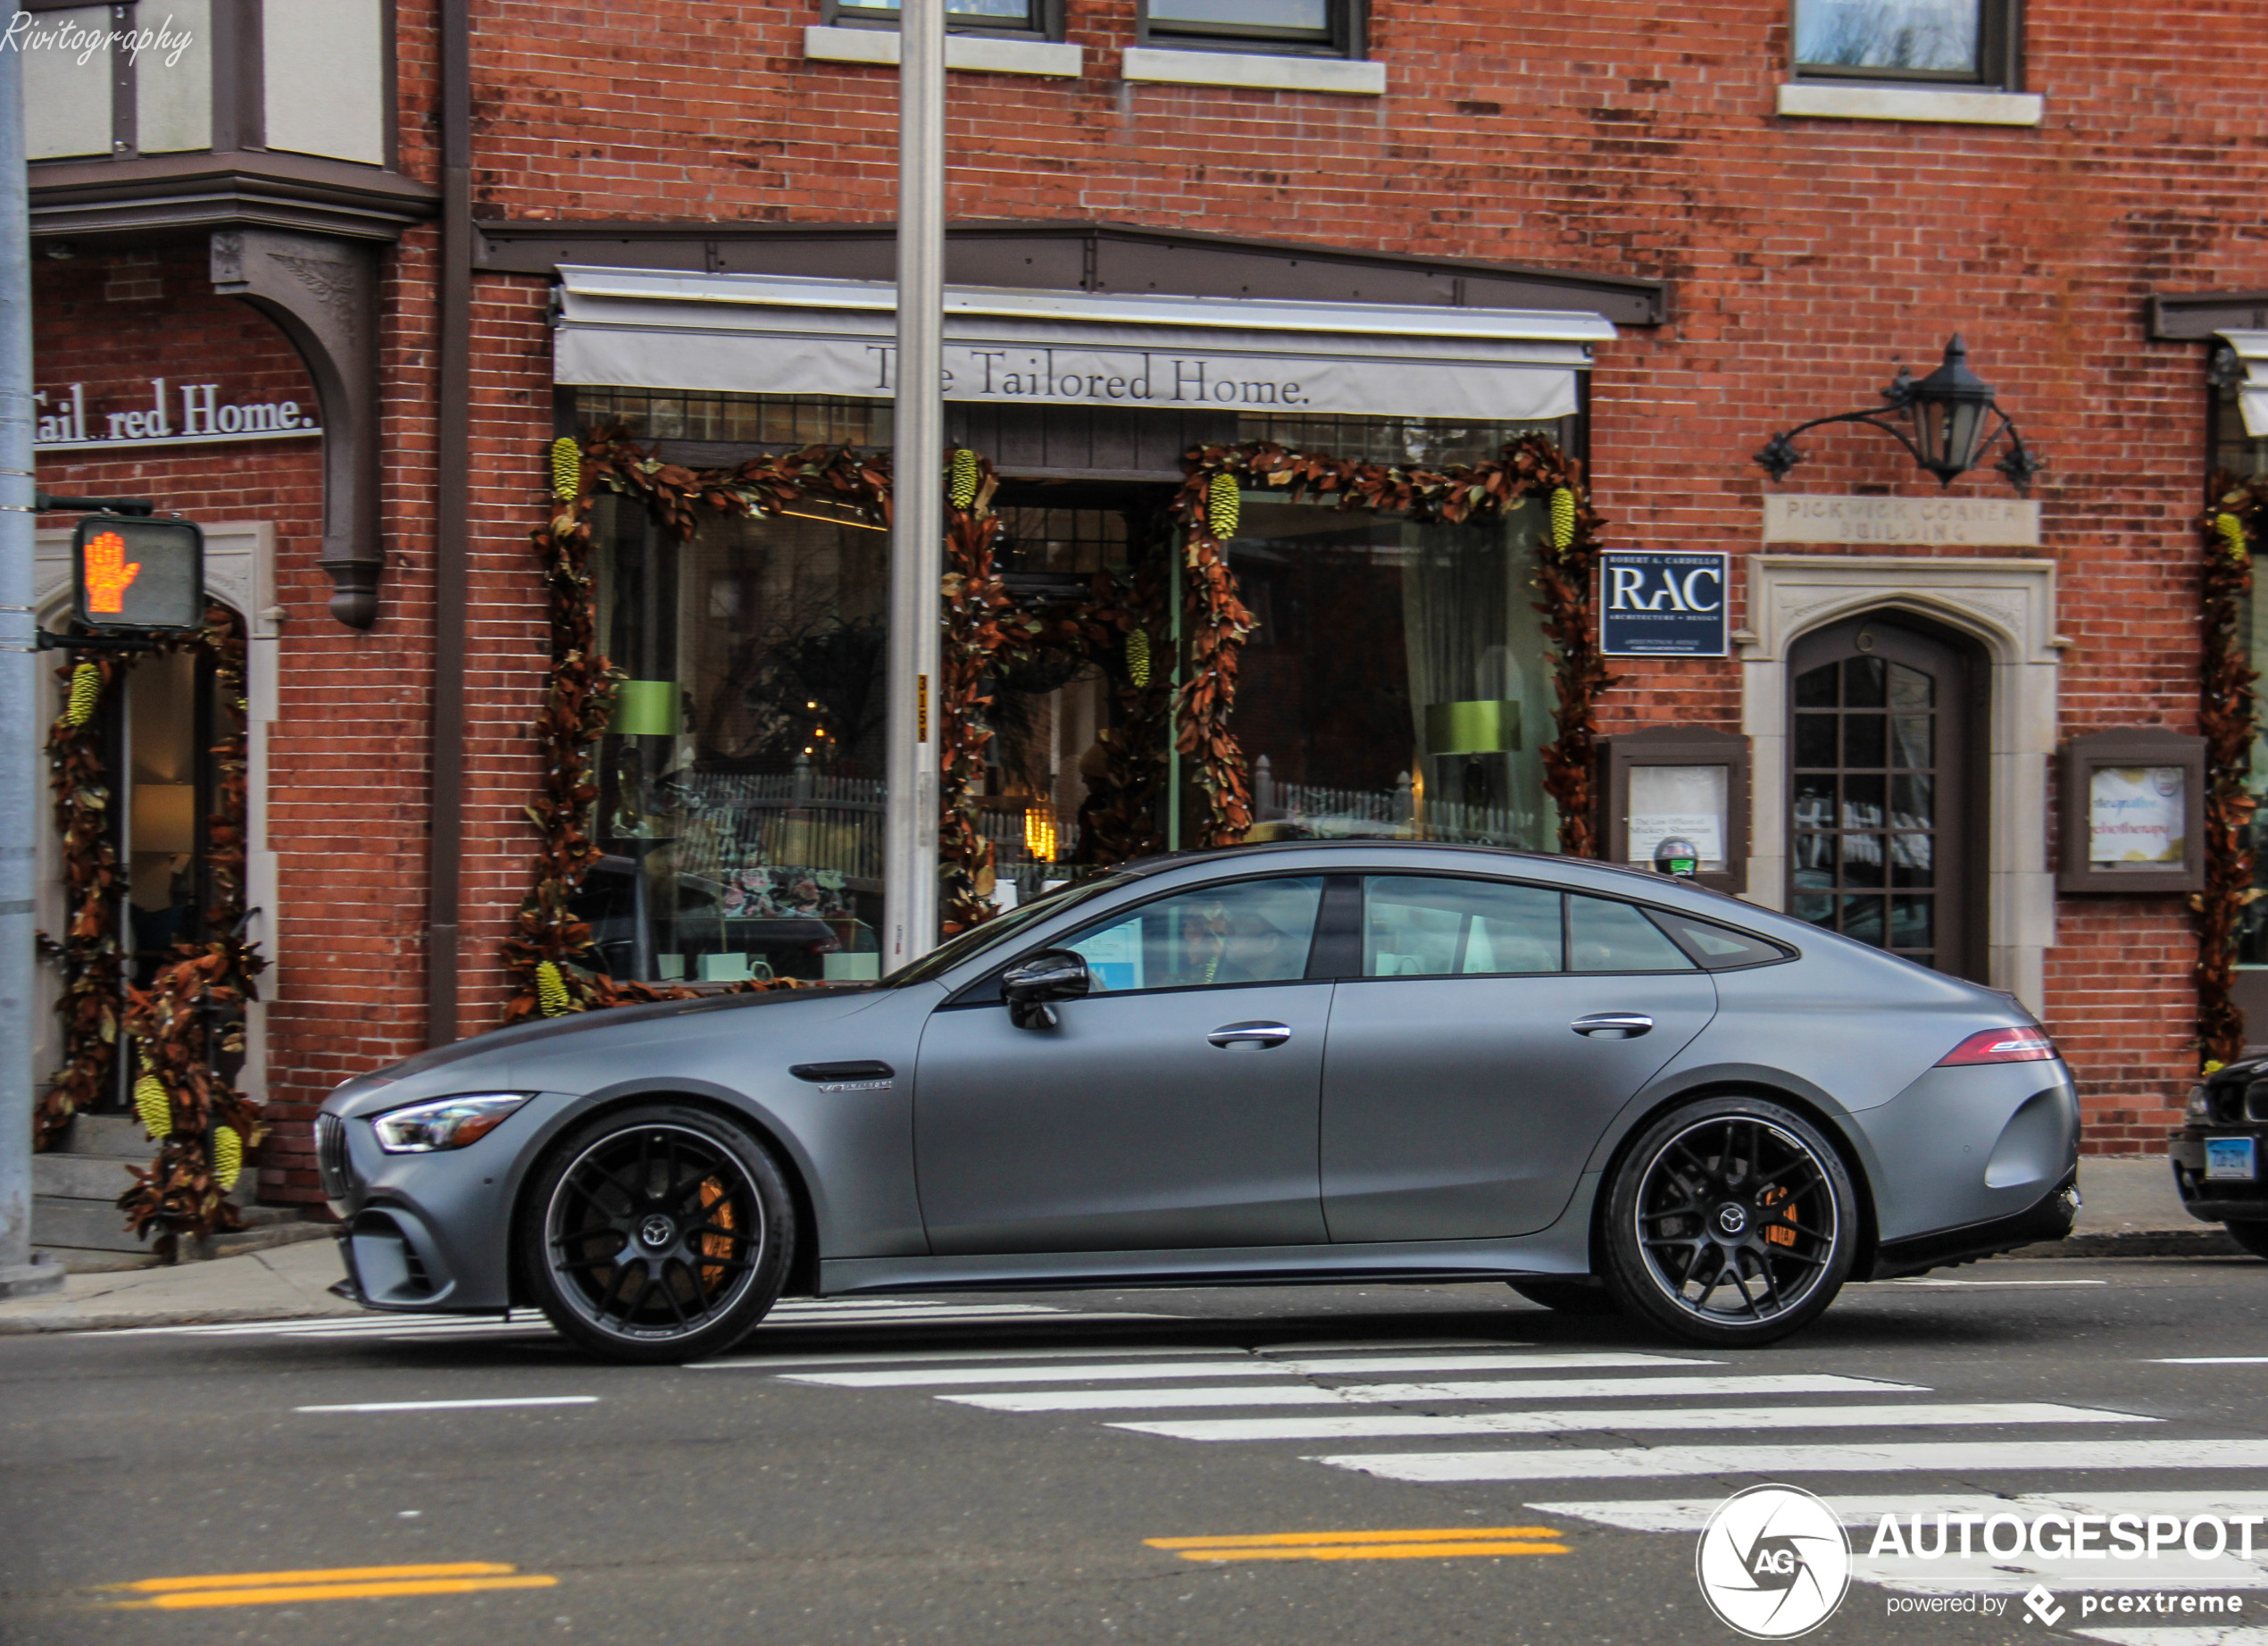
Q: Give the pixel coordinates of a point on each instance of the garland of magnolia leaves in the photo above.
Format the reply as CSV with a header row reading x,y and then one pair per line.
x,y
550,952
204,1128
1567,548
2227,716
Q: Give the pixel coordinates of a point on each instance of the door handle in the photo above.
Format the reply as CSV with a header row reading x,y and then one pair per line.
x,y
1618,1025
1261,1035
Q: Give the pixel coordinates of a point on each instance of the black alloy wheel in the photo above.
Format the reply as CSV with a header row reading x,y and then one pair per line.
x,y
1729,1222
1567,1297
657,1234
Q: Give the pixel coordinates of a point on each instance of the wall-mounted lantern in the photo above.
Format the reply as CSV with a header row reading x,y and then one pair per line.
x,y
1946,420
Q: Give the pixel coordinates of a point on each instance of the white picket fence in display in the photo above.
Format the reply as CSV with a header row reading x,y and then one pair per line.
x,y
1393,813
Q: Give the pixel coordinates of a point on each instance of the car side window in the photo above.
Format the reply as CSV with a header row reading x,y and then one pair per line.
x,y
1417,925
1247,932
1718,948
1604,936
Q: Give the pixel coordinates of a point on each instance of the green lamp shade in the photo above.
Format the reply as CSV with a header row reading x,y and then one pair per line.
x,y
646,709
1484,726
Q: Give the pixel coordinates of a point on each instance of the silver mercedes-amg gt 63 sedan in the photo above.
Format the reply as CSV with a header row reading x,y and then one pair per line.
x,y
1345,1061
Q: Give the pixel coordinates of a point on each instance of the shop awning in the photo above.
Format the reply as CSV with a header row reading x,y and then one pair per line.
x,y
771,334
2252,393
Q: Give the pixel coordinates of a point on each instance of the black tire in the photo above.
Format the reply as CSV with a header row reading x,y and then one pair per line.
x,y
1729,1222
657,1234
1566,1297
2252,1236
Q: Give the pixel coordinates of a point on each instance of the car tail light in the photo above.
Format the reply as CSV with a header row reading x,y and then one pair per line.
x,y
2026,1045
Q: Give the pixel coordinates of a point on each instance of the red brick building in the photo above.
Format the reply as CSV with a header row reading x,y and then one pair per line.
x,y
1657,238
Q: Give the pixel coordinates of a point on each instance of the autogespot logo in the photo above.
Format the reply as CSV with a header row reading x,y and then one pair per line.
x,y
1773,1562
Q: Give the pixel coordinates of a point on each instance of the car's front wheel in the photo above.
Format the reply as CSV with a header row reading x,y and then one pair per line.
x,y
657,1234
1729,1222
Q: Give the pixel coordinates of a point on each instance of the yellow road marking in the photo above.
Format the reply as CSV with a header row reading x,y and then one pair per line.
x,y
335,1575
352,1583
291,1592
1429,1535
1376,1552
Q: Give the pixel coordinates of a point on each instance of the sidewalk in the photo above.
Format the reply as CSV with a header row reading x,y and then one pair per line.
x,y
284,1283
2130,1210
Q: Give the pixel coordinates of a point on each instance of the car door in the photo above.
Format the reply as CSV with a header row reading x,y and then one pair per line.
x,y
1462,1087
1174,1106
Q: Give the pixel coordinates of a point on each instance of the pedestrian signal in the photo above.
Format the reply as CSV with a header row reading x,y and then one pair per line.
x,y
131,572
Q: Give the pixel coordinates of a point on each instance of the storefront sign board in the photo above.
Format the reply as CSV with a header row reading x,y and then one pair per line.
x,y
168,415
751,335
1662,603
1959,522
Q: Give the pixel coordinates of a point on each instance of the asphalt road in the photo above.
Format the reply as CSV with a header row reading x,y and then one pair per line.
x,y
950,1471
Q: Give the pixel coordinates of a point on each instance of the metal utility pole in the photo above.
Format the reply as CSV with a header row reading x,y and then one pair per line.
x,y
20,776
917,531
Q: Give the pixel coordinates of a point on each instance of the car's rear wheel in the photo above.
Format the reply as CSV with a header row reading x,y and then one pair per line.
x,y
2252,1236
1565,1297
657,1234
1729,1222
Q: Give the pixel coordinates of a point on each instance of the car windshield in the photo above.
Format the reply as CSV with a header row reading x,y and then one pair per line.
x,y
976,940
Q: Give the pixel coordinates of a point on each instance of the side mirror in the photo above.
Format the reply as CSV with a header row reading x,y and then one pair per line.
x,y
1030,985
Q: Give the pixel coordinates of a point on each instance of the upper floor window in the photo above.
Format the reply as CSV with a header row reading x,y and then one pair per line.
x,y
1325,26
1955,42
1039,20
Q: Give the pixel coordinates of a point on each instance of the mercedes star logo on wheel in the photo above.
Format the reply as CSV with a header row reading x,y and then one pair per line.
x,y
656,1230
1733,1219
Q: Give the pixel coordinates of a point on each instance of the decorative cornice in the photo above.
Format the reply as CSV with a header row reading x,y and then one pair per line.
x,y
88,199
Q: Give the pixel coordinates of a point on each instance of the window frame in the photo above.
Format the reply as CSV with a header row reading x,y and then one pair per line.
x,y
836,15
2000,33
1347,35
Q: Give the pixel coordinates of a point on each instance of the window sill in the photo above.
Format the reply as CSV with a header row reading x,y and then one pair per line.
x,y
1815,101
1254,71
972,52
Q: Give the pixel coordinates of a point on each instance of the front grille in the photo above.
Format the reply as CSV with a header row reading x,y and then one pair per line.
x,y
330,1156
2255,1101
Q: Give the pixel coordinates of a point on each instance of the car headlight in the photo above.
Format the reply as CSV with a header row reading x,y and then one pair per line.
x,y
2200,1106
447,1123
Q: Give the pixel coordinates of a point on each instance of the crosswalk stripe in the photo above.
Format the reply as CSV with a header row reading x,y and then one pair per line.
x,y
775,1363
1744,1418
2191,1634
1399,1394
1962,1457
1351,1367
808,1314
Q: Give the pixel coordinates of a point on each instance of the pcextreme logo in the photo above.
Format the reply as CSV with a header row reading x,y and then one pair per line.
x,y
1773,1563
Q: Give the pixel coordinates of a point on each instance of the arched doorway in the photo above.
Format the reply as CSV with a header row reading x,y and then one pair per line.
x,y
1885,834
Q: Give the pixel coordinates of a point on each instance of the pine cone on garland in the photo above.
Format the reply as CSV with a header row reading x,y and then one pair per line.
x,y
1137,657
963,494
1224,506
566,469
1563,520
551,990
2232,533
152,1103
228,1158
86,692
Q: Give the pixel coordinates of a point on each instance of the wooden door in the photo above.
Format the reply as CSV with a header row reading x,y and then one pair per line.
x,y
1886,842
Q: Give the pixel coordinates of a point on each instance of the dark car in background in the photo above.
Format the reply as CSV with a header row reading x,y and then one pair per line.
x,y
2216,1155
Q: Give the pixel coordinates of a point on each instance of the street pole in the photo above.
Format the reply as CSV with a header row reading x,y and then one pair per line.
x,y
917,531
20,778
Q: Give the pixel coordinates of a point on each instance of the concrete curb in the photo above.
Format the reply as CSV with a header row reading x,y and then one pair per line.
x,y
2205,1241
94,1320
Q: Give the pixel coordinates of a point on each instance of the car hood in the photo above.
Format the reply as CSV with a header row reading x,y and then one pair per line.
x,y
492,1061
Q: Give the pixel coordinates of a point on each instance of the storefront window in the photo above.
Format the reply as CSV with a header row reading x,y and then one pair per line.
x,y
1397,683
740,795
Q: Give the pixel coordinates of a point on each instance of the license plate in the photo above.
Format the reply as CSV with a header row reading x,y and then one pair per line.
x,y
2229,1157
